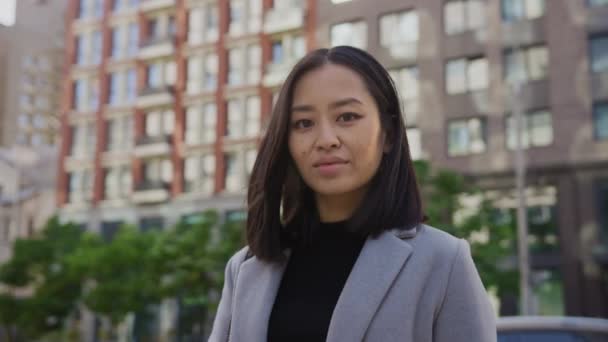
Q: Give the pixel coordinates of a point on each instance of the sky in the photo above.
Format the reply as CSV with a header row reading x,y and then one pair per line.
x,y
7,12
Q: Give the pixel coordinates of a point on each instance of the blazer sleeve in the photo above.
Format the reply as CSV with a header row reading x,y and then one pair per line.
x,y
466,314
221,324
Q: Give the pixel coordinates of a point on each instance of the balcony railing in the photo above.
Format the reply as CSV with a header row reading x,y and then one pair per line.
x,y
147,184
153,96
150,192
283,19
148,140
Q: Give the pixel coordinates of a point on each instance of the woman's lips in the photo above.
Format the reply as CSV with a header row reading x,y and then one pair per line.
x,y
330,169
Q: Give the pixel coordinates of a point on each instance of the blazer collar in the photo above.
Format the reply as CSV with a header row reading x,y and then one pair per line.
x,y
380,261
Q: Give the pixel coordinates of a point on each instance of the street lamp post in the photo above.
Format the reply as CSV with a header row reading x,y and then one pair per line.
x,y
515,83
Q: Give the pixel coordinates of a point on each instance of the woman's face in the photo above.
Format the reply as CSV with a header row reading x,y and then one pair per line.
x,y
335,136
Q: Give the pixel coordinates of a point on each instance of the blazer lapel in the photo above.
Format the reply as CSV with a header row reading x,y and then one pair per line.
x,y
379,262
256,289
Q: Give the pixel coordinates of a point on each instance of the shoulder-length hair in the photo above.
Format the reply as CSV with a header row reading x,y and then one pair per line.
x,y
281,207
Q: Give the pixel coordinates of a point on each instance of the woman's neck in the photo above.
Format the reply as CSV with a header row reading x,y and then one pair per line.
x,y
336,208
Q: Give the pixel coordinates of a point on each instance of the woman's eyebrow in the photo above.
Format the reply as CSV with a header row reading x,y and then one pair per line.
x,y
333,105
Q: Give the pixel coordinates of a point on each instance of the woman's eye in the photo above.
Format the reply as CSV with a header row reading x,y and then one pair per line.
x,y
303,123
346,117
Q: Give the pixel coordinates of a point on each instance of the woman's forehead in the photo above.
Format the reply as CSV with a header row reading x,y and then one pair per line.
x,y
330,83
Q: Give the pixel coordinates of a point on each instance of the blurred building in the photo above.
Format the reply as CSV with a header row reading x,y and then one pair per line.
x,y
31,60
164,104
27,196
165,100
451,60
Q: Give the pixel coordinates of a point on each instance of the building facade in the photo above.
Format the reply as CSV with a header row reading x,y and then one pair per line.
x,y
164,103
27,196
32,69
165,100
453,61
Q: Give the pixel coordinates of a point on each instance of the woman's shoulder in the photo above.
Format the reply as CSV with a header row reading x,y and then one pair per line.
x,y
435,241
237,259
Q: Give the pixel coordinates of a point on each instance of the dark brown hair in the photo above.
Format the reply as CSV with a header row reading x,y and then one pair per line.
x,y
281,207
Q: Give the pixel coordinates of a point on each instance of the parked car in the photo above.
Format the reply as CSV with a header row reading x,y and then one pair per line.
x,y
552,329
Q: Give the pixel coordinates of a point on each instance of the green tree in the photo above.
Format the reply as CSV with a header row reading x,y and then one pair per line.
x,y
191,257
39,266
492,242
118,276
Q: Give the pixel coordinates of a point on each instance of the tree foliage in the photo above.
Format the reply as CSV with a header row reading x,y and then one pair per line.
x,y
492,241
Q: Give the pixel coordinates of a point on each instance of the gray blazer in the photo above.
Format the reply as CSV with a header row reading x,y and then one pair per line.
x,y
419,285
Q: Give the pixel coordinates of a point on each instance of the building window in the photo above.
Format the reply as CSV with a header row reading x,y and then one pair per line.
x,y
253,116
597,3
161,74
23,120
528,64
131,85
202,73
466,136
122,87
349,33
399,28
160,27
414,140
158,171
88,47
514,10
236,119
201,123
243,118
600,121
199,174
244,65
203,25
39,121
599,53
235,66
97,51
80,186
117,42
121,5
245,15
463,15
133,39
120,133
254,22
233,177
287,49
124,40
466,74
118,182
236,16
407,83
537,130
159,123
37,140
238,167
79,42
83,140
114,89
90,9
42,102
254,64
86,94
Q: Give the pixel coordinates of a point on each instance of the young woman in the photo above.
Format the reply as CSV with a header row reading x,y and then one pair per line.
x,y
336,246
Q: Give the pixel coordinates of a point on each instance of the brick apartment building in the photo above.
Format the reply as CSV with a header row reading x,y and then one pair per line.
x,y
165,99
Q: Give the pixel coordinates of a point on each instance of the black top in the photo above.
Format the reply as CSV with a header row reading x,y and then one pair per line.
x,y
311,285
